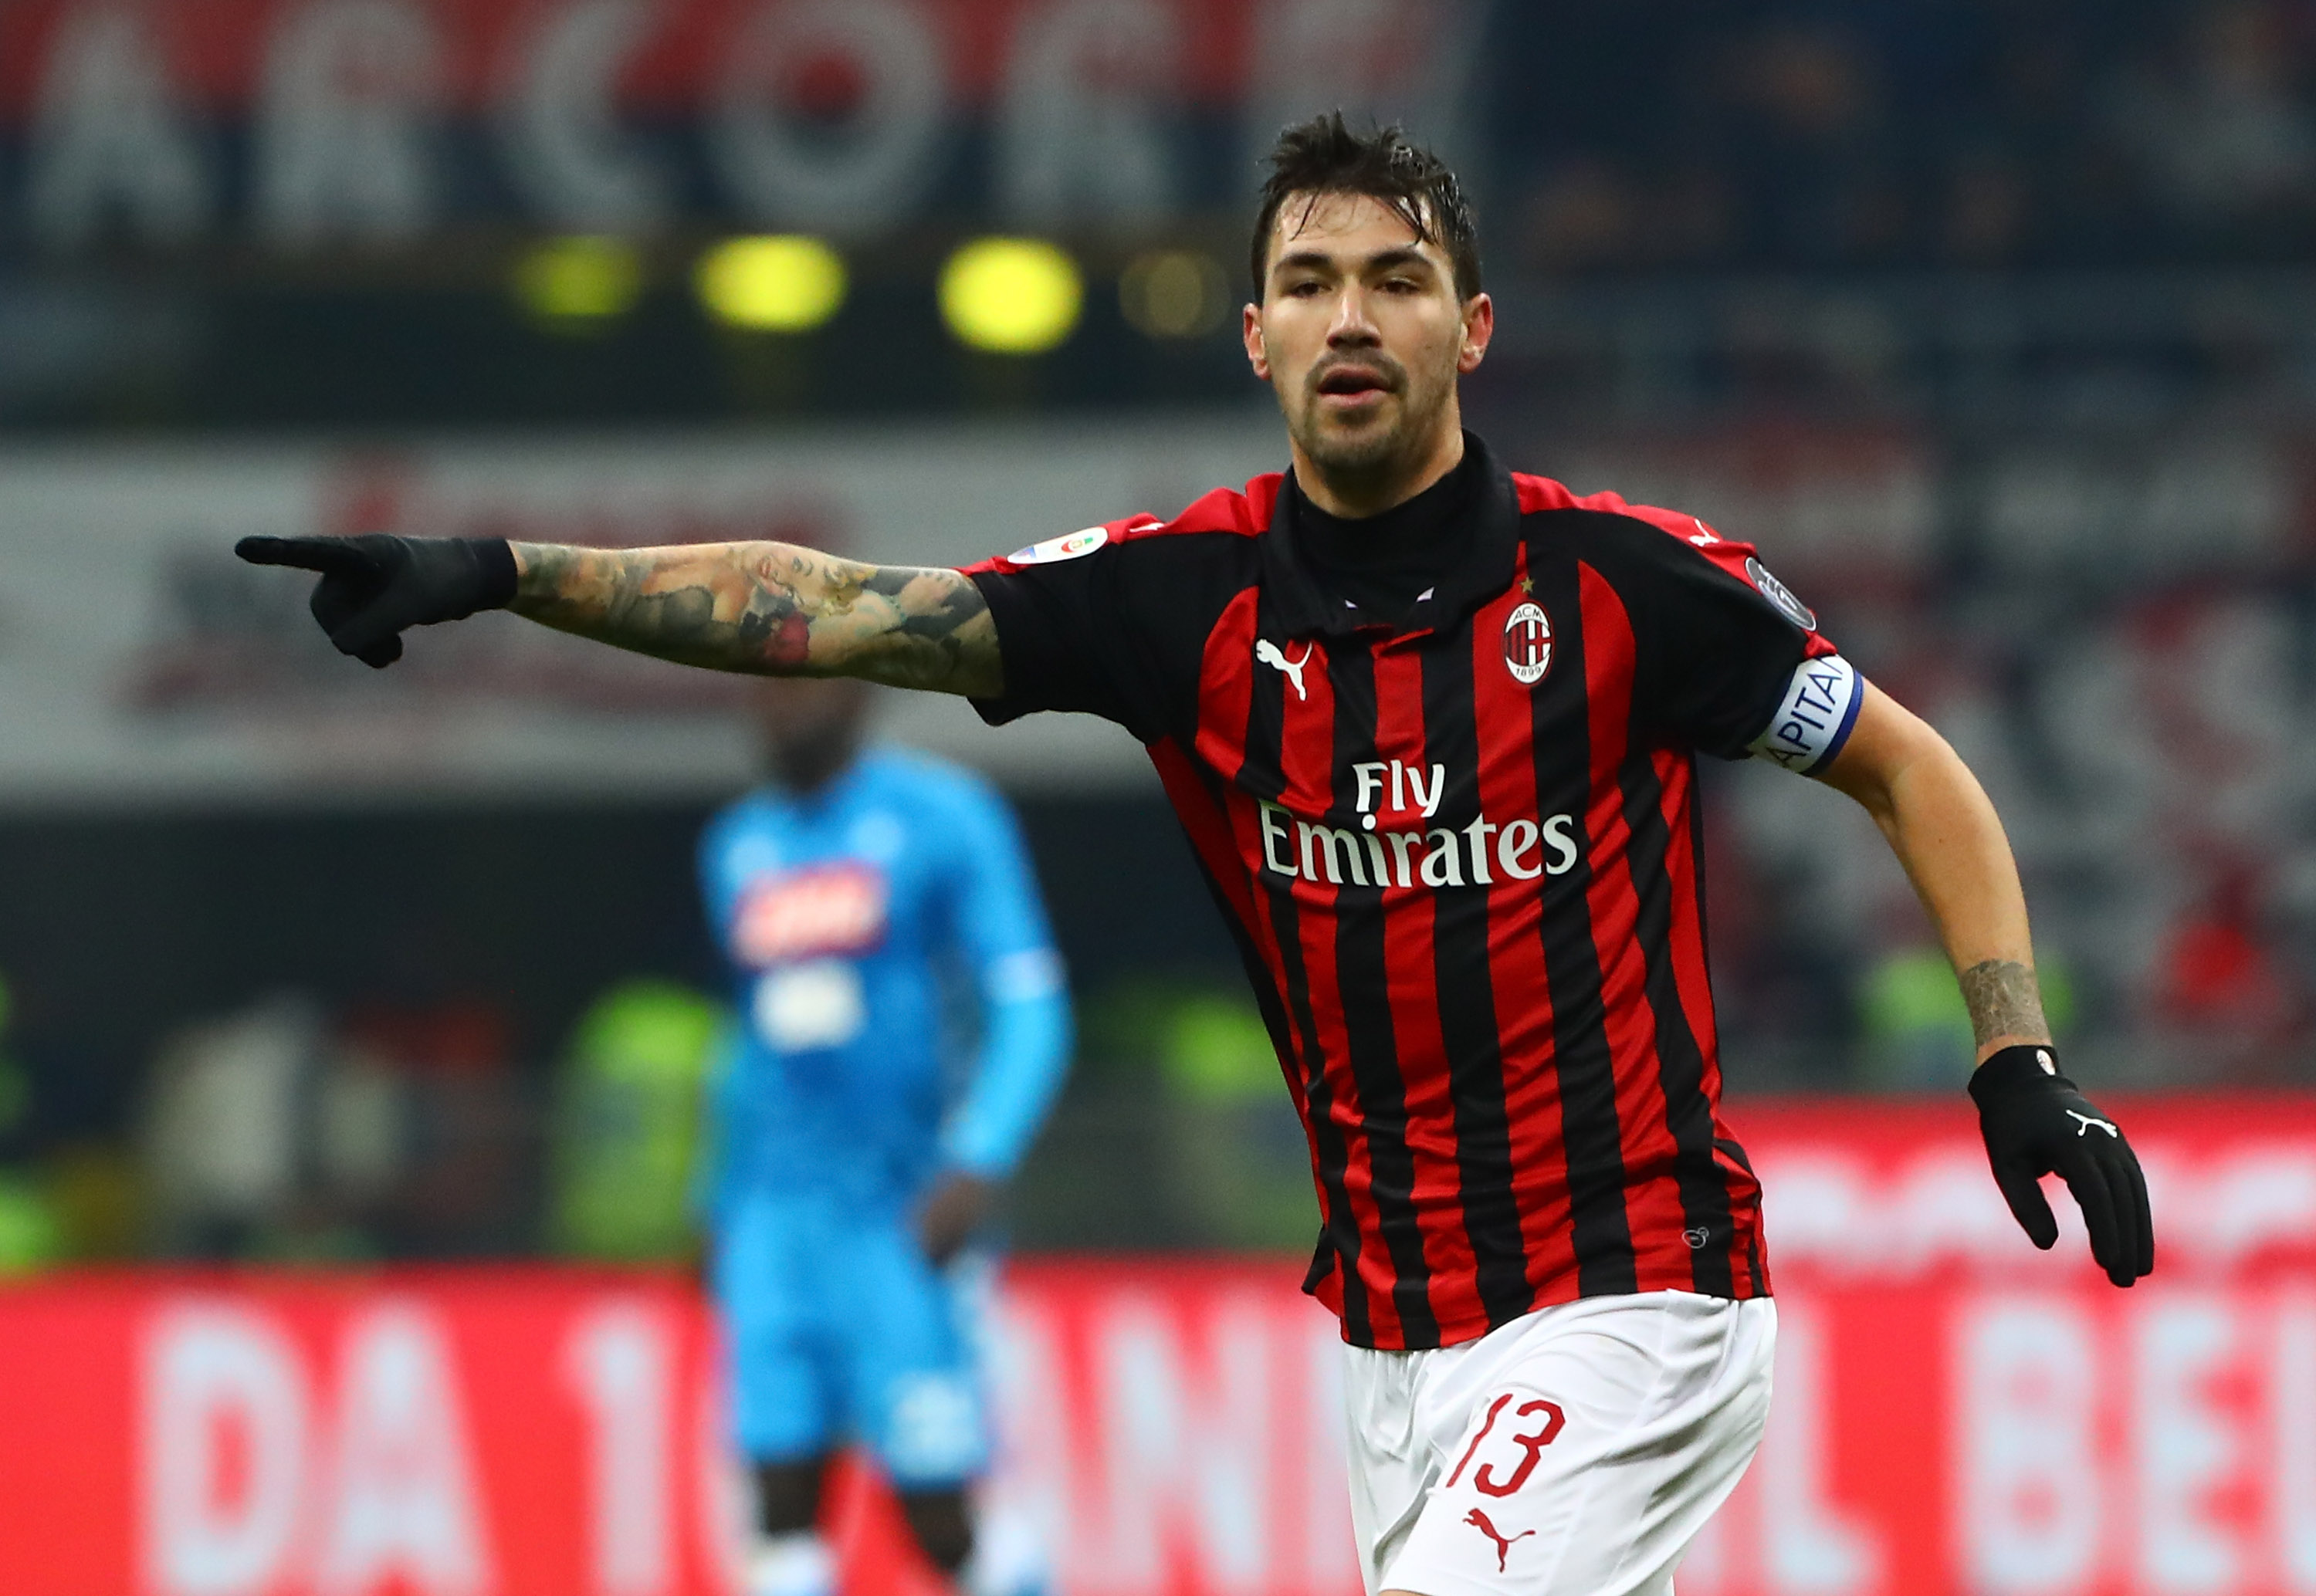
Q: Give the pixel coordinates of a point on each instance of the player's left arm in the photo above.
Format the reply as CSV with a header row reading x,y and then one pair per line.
x,y
1945,831
1001,929
1945,834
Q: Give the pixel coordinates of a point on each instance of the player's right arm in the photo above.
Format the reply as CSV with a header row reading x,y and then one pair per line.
x,y
770,609
765,608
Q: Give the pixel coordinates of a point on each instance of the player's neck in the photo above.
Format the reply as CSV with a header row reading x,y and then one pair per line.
x,y
1356,495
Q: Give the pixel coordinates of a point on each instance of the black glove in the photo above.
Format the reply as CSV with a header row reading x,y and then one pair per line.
x,y
373,586
2035,1123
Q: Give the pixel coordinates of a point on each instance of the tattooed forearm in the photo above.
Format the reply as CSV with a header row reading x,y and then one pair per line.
x,y
771,609
2004,1001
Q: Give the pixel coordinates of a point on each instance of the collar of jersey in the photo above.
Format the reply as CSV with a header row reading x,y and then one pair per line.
x,y
1304,609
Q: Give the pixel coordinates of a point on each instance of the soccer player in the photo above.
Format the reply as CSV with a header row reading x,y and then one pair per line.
x,y
849,1177
1430,726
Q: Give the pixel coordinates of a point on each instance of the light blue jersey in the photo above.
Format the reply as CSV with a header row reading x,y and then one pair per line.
x,y
850,919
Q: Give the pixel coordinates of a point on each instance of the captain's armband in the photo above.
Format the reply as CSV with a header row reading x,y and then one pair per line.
x,y
1814,718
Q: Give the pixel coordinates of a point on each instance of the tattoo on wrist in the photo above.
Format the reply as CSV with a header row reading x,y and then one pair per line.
x,y
2004,1001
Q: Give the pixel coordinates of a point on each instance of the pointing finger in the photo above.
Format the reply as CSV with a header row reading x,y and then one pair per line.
x,y
326,554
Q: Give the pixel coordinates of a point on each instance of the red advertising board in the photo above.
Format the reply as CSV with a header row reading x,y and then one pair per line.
x,y
1955,1411
509,1432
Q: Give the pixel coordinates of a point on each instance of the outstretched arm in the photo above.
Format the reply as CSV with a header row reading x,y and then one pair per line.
x,y
1945,832
769,609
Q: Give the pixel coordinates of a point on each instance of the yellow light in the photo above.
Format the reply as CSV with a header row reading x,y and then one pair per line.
x,y
579,279
1012,296
1175,294
778,284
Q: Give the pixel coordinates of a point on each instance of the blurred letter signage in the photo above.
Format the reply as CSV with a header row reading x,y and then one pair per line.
x,y
382,120
1959,1411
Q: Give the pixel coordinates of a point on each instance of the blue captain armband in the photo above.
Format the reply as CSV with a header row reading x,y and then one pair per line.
x,y
1814,720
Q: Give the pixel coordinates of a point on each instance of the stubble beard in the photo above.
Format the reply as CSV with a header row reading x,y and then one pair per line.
x,y
1371,456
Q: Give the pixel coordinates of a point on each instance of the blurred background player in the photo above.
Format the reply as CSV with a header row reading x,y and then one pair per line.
x,y
853,896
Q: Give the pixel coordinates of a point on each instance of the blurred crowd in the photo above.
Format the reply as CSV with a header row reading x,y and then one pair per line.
x,y
2115,625
289,1134
1907,133
284,1133
2140,711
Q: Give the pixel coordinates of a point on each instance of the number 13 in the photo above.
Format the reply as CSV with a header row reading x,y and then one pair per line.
x,y
1531,1445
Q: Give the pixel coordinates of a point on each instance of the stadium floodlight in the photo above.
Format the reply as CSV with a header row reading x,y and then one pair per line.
x,y
777,283
579,281
1012,296
1175,294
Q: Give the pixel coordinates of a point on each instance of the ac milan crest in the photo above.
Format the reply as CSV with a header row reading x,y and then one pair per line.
x,y
1527,643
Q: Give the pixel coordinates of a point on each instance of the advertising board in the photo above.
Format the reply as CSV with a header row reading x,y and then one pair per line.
x,y
1953,1411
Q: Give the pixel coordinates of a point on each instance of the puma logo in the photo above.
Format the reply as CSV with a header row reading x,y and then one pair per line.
x,y
1267,652
1479,1520
2084,1128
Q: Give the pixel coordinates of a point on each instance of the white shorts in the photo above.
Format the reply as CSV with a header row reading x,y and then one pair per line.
x,y
1575,1450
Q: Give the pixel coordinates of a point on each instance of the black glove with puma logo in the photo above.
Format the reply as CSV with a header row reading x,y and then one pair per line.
x,y
2036,1123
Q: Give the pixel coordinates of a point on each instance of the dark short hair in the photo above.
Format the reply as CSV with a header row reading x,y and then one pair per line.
x,y
1323,155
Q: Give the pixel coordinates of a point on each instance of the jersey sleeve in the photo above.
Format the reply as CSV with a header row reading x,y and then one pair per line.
x,y
1000,925
1062,630
1731,662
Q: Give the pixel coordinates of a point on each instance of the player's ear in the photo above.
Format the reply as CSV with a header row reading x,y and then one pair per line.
x,y
1258,352
1479,330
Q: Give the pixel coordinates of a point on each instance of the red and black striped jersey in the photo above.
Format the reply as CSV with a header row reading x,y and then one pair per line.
x,y
1461,858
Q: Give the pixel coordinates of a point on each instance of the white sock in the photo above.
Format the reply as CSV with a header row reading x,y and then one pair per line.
x,y
794,1564
1008,1556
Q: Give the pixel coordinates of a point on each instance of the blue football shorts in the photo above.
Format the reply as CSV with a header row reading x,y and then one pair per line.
x,y
839,1332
